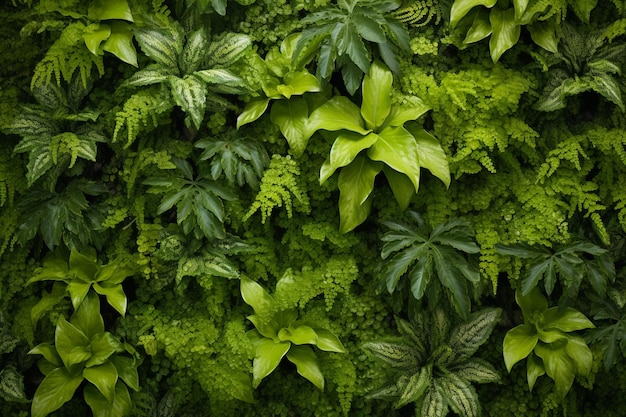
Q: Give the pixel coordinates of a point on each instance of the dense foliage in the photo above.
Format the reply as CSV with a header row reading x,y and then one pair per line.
x,y
192,221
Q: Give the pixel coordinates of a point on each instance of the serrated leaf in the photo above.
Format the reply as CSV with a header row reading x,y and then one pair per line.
x,y
190,94
12,385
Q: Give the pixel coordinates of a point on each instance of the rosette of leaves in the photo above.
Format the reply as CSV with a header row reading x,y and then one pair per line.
x,y
282,81
57,134
372,139
240,159
546,341
84,351
279,333
340,32
192,66
198,199
587,60
571,263
431,262
433,365
502,22
76,276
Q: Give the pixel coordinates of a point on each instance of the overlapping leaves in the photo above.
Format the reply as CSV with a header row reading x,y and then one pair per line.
x,y
429,262
433,365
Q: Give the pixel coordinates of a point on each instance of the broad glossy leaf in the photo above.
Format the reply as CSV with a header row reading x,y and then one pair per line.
x,y
376,103
87,317
336,114
291,116
115,296
558,365
583,8
519,342
520,7
412,109
328,342
565,319
94,35
531,302
267,357
56,389
78,291
113,273
307,365
543,33
534,369
300,82
356,183
120,43
253,110
505,32
462,7
267,327
49,353
298,334
47,301
397,148
401,186
102,347
255,296
480,28
580,354
101,407
67,338
394,268
109,9
104,377
368,27
431,155
344,150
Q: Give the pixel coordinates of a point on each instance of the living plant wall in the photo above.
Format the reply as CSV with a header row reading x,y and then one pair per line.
x,y
312,208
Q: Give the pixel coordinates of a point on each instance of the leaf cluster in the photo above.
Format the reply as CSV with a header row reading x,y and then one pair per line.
x,y
433,363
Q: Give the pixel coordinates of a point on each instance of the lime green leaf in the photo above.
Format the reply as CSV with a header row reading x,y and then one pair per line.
x,y
583,8
126,370
480,28
520,8
47,301
307,365
462,7
328,342
291,116
580,354
345,148
336,114
102,347
78,291
266,327
104,377
401,186
300,82
87,317
565,319
49,353
253,110
519,342
67,338
531,302
115,296
397,148
83,266
298,335
505,32
558,365
255,296
412,109
534,369
356,183
431,155
56,389
543,33
101,407
267,357
376,103
109,9
120,43
94,35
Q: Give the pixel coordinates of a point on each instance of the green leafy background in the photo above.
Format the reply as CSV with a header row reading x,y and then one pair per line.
x,y
121,140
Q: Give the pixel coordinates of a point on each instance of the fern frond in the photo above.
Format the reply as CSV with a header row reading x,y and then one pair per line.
x,y
140,113
67,55
418,13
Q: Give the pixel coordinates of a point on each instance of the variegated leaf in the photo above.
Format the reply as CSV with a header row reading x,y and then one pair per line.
x,y
398,355
460,395
434,404
416,334
227,50
12,385
476,370
162,45
416,386
467,337
190,94
194,51
152,74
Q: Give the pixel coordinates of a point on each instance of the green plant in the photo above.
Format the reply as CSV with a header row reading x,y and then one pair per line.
x,y
281,81
198,200
81,273
11,379
587,60
372,139
339,31
56,132
610,336
571,263
279,333
503,22
83,351
440,252
547,343
434,365
191,65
